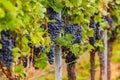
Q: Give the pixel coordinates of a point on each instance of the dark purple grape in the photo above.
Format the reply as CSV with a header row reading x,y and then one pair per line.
x,y
6,51
92,24
75,30
97,31
38,50
92,40
54,28
50,55
52,14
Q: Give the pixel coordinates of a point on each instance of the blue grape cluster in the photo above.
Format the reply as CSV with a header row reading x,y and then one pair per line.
x,y
92,40
97,31
76,30
37,50
50,55
96,27
52,14
6,51
54,28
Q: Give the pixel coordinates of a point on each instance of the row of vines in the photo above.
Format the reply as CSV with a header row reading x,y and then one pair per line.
x,y
30,30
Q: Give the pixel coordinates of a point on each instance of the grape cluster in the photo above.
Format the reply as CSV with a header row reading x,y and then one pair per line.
x,y
97,31
50,55
54,27
97,34
37,50
76,30
6,51
52,14
92,40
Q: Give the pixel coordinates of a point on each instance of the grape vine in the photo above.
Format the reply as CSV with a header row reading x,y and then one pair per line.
x,y
30,28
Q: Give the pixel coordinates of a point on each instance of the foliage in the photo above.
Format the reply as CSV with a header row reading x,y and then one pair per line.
x,y
24,19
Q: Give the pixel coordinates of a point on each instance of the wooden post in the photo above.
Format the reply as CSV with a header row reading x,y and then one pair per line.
x,y
92,63
58,60
92,66
105,55
101,58
71,71
71,60
109,59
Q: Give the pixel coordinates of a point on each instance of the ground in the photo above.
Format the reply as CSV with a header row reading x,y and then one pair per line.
x,y
82,70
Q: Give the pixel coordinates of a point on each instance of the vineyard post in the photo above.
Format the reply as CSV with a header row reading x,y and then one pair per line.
x,y
101,59
105,54
58,60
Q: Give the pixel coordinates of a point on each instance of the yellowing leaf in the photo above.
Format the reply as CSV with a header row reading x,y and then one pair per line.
x,y
47,41
8,5
35,40
2,13
19,70
68,3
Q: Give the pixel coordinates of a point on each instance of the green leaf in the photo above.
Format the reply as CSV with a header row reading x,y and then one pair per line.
x,y
25,53
90,47
2,13
103,25
25,40
8,5
15,53
98,19
41,64
47,49
77,3
77,11
47,41
65,40
35,40
61,40
19,70
90,32
68,3
78,19
100,44
75,49
57,6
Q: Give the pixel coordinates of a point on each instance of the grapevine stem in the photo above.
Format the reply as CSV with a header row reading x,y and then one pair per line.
x,y
32,55
7,72
1,66
101,58
92,61
20,41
